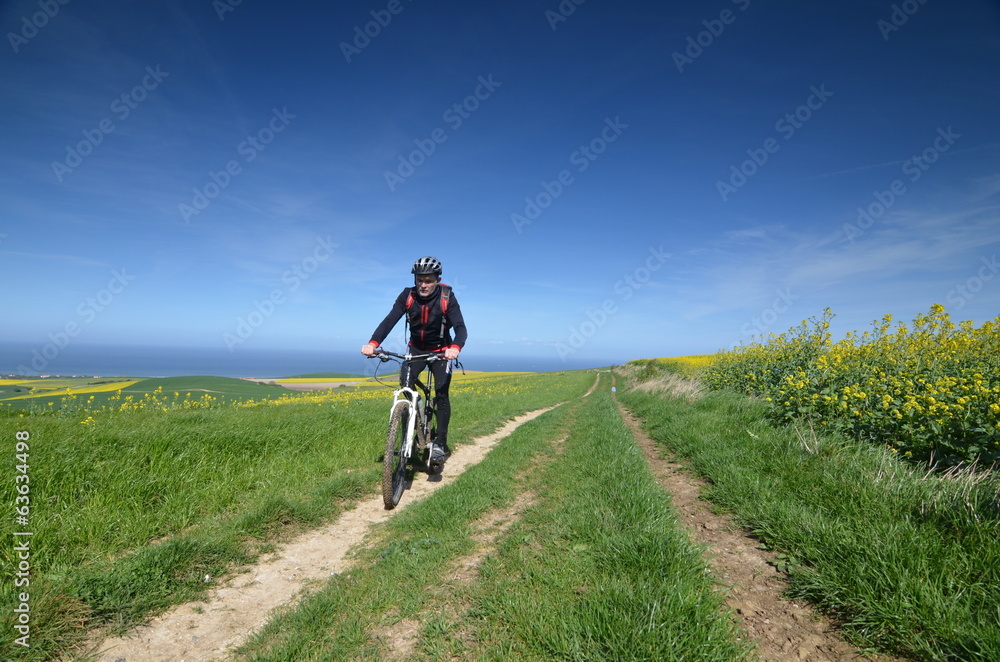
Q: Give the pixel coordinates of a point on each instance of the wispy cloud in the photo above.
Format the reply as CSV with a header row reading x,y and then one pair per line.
x,y
75,260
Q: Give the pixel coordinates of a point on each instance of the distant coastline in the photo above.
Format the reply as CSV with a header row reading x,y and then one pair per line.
x,y
156,361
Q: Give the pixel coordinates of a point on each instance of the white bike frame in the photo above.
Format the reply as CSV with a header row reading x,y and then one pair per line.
x,y
412,399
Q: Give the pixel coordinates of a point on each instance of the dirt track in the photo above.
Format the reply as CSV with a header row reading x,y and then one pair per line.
x,y
782,630
207,630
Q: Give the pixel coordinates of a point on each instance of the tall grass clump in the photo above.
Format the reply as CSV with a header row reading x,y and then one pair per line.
x,y
658,376
929,391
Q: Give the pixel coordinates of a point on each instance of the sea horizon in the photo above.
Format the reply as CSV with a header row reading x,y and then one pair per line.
x,y
92,360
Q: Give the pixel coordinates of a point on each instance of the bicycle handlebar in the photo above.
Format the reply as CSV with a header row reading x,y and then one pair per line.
x,y
384,356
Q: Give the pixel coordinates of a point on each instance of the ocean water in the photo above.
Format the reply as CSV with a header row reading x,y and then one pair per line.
x,y
136,361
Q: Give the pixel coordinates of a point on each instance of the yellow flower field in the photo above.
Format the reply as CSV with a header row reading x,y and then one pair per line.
x,y
928,390
47,388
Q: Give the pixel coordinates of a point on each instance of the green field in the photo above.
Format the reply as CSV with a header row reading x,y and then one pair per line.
x,y
53,394
133,505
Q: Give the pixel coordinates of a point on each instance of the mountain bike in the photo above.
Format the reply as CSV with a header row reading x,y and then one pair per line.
x,y
412,433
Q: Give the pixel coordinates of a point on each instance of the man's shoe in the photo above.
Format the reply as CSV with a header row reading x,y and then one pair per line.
x,y
440,453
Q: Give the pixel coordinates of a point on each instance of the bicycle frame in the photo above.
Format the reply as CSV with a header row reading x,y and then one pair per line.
x,y
413,399
399,444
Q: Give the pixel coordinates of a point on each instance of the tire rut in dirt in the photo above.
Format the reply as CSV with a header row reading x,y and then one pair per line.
x,y
781,629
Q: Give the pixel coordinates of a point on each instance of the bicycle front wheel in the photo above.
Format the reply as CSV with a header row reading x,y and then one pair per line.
x,y
393,462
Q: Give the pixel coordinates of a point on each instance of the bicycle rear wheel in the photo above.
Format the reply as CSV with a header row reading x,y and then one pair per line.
x,y
393,462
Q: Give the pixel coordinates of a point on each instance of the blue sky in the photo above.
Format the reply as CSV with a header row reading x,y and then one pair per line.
x,y
602,181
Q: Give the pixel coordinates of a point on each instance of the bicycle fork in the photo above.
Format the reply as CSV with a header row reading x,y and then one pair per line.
x,y
414,415
416,424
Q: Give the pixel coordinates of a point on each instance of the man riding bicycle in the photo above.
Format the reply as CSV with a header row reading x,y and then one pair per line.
x,y
432,312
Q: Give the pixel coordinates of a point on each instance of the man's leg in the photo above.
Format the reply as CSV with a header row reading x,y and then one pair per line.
x,y
408,374
442,403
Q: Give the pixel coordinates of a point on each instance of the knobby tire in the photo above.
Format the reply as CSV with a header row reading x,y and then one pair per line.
x,y
393,462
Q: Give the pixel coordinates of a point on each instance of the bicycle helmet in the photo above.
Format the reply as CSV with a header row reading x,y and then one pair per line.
x,y
427,265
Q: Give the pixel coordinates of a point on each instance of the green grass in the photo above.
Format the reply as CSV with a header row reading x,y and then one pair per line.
x,y
909,563
131,510
595,570
599,570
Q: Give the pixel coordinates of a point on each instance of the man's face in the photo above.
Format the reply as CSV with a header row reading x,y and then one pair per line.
x,y
426,284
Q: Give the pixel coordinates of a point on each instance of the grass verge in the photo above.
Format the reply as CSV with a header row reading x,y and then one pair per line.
x,y
908,562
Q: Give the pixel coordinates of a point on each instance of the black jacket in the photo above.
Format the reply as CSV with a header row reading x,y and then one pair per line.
x,y
424,316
